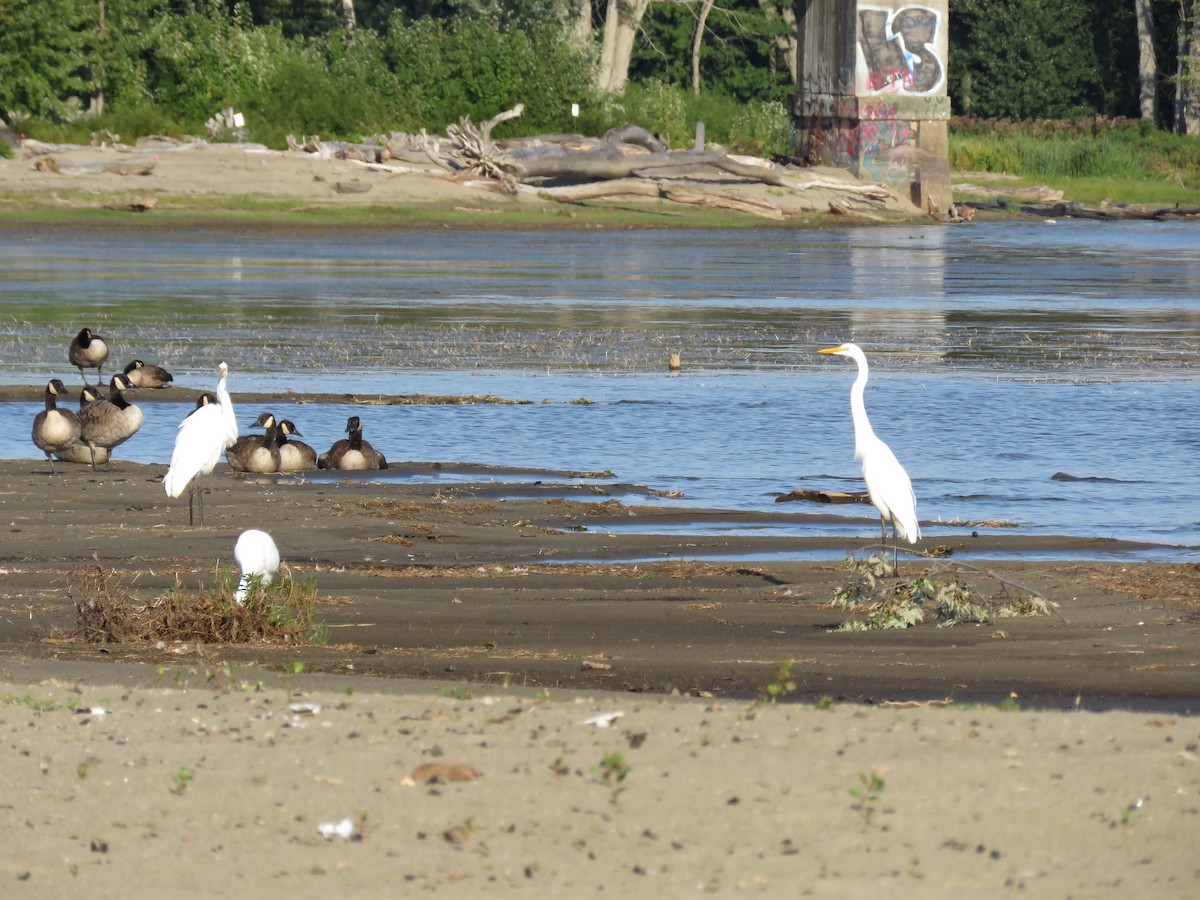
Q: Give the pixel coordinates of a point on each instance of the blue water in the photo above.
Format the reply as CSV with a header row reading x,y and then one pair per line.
x,y
1002,355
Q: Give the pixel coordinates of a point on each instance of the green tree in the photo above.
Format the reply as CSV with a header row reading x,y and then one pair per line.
x,y
46,53
1025,59
738,57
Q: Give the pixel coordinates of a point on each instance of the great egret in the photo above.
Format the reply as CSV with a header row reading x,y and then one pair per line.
x,y
147,375
256,452
257,557
55,429
294,456
109,423
888,484
203,435
352,453
87,351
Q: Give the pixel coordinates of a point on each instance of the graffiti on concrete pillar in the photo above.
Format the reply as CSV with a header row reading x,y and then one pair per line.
x,y
897,50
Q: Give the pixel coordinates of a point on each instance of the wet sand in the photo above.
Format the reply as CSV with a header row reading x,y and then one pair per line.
x,y
482,622
459,636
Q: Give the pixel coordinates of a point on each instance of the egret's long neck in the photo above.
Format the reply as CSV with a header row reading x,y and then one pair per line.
x,y
863,434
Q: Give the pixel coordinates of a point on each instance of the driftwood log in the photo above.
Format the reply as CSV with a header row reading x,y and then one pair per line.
x,y
571,168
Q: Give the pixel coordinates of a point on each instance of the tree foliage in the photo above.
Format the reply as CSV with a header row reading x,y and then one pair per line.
x,y
292,65
737,57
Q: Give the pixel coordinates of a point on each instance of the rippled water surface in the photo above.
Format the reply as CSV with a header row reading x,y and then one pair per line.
x,y
1039,374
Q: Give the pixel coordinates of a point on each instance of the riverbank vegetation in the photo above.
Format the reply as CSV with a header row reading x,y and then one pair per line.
x,y
79,71
1091,159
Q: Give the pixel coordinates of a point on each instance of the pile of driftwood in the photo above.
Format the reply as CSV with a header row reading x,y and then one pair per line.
x,y
627,161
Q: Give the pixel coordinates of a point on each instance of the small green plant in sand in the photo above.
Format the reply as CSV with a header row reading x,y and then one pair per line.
x,y
458,693
781,685
867,794
181,779
825,702
875,600
31,702
108,613
613,771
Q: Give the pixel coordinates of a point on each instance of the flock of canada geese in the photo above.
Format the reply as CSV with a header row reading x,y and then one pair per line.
x,y
210,430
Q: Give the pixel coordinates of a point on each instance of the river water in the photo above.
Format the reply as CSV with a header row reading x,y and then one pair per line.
x,y
1041,375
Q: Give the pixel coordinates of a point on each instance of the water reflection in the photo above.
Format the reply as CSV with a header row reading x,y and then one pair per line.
x,y
1001,354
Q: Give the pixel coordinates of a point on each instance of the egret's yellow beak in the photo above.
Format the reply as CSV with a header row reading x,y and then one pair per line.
x,y
830,350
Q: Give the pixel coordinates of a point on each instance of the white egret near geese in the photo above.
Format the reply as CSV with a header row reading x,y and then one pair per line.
x,y
258,558
199,443
888,485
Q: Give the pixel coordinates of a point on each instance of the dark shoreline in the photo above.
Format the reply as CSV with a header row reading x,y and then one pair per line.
x,y
460,582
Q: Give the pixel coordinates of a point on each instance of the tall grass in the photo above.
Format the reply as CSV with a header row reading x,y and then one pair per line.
x,y
1096,149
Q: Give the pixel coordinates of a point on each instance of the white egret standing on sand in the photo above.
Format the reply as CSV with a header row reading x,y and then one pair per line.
x,y
202,438
257,557
888,484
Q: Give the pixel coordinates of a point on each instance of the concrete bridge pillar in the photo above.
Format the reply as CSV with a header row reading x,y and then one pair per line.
x,y
871,92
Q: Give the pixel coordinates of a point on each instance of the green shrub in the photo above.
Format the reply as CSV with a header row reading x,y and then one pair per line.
x,y
762,129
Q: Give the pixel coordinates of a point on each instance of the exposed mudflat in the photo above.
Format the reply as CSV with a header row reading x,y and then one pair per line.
x,y
460,622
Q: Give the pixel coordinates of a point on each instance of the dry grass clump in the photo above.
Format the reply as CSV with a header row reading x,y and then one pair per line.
x,y
107,613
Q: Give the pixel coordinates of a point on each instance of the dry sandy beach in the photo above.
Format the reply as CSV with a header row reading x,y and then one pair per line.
x,y
495,630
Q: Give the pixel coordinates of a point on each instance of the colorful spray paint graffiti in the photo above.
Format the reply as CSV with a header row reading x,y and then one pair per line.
x,y
898,50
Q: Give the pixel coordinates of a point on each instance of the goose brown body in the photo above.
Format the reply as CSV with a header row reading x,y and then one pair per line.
x,y
109,423
352,453
256,452
88,350
147,375
54,429
294,456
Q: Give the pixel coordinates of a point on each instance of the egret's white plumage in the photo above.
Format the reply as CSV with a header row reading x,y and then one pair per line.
x,y
888,485
257,557
199,443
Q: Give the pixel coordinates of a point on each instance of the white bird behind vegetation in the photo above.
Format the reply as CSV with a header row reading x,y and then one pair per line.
x,y
888,485
258,558
199,443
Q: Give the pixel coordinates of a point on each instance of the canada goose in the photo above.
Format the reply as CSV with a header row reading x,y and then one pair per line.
x,y
208,398
353,452
202,435
88,351
258,558
294,456
80,452
256,452
109,423
146,375
55,429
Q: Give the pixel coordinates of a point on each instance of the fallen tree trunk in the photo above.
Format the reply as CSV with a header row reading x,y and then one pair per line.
x,y
662,189
609,162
